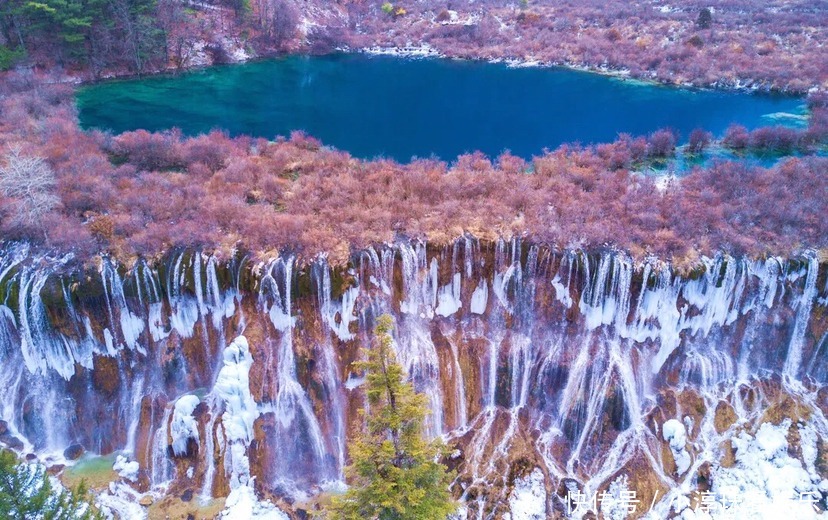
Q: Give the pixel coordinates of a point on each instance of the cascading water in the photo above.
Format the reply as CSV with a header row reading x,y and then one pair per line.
x,y
542,367
291,404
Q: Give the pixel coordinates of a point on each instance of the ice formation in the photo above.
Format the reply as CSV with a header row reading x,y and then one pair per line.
x,y
528,498
673,432
125,468
240,410
518,348
183,426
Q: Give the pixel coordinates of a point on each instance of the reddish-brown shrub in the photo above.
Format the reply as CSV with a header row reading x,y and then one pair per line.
x,y
736,137
295,194
149,151
661,143
775,139
698,141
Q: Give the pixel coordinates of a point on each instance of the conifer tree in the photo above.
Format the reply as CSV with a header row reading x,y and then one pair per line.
x,y
26,493
394,472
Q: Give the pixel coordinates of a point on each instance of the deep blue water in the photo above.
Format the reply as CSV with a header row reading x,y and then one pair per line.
x,y
400,108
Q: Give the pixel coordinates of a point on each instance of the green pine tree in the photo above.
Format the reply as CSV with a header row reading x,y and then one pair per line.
x,y
27,494
394,473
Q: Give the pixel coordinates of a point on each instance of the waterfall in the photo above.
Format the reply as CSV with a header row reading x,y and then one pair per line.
x,y
336,318
161,465
562,360
209,456
291,405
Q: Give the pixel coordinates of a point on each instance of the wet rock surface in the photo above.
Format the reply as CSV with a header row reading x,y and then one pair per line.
x,y
569,363
73,452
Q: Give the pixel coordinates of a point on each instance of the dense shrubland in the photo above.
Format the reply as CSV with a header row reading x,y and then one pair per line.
x,y
747,43
140,193
741,43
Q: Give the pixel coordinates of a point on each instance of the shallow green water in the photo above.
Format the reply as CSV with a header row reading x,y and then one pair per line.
x,y
399,108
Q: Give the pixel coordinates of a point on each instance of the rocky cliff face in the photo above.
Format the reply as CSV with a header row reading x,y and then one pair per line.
x,y
556,376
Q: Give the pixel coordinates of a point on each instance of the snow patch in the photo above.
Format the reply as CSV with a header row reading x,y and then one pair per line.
x,y
126,469
765,480
528,498
121,501
616,502
408,51
673,432
243,504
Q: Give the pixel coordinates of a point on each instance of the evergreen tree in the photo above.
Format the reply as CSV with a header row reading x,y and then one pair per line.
x,y
394,473
26,493
705,19
90,32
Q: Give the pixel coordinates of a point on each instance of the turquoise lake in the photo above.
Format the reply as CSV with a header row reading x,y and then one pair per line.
x,y
401,108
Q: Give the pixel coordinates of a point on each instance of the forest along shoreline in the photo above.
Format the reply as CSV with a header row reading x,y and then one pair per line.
x,y
423,52
742,46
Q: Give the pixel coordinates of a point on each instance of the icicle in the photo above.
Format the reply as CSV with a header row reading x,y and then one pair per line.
x,y
331,310
240,411
131,325
480,298
448,297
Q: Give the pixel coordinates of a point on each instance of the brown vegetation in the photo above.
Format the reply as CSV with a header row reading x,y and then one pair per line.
x,y
742,43
140,193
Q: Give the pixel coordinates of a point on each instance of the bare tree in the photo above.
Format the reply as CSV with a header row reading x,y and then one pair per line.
x,y
278,19
181,30
29,182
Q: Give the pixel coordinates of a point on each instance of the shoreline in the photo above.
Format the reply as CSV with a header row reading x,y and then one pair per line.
x,y
426,51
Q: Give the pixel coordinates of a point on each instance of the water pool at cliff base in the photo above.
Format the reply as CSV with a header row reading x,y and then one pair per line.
x,y
401,108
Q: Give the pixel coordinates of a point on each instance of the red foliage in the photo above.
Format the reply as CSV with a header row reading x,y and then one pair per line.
x,y
698,141
662,143
149,151
743,46
141,193
774,139
736,137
